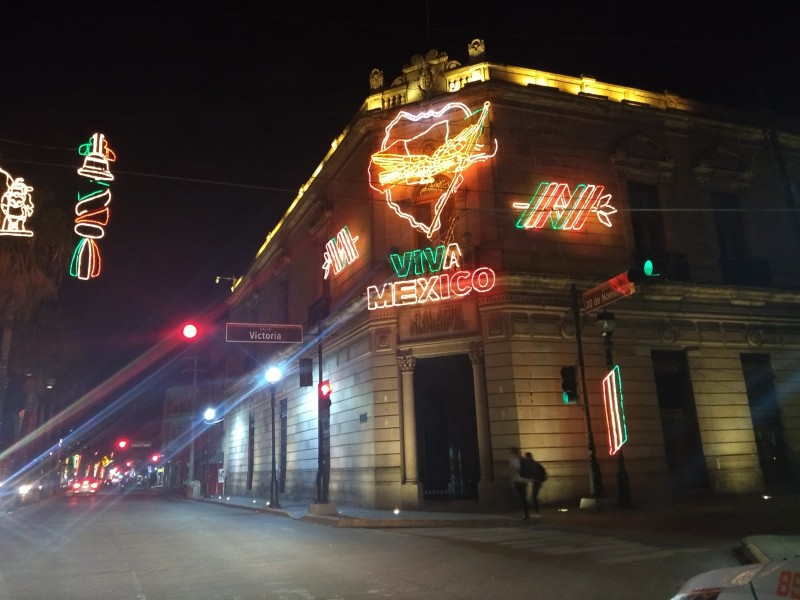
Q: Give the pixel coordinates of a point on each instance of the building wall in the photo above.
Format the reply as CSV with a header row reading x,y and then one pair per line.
x,y
525,324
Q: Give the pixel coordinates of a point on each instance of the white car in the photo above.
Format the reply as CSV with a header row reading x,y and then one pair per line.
x,y
776,580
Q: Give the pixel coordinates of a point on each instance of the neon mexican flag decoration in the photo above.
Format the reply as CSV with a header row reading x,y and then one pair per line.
x,y
615,411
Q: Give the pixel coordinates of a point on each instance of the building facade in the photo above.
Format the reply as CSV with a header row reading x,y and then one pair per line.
x,y
451,255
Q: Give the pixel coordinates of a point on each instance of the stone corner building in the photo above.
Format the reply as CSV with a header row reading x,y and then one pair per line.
x,y
437,260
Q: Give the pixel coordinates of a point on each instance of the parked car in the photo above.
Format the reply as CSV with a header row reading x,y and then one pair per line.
x,y
84,486
776,580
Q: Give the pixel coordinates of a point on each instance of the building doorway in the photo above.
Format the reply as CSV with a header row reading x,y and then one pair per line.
x,y
682,443
447,437
765,413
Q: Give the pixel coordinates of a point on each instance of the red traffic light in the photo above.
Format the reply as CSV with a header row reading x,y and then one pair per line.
x,y
325,390
122,444
189,331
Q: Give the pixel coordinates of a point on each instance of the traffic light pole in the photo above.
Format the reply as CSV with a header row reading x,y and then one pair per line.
x,y
323,424
595,477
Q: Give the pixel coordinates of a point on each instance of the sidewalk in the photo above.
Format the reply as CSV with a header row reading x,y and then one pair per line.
x,y
775,520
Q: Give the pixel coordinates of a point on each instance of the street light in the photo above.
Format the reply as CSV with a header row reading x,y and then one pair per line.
x,y
606,323
273,376
189,333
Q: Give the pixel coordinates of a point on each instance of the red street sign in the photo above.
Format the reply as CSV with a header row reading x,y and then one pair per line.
x,y
260,333
608,292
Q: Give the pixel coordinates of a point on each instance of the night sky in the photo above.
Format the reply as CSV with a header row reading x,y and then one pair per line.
x,y
218,115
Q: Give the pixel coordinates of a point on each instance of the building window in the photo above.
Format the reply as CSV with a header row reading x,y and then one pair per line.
x,y
251,450
282,456
737,265
765,413
646,220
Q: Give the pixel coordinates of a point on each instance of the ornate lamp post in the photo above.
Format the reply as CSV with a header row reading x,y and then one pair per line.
x,y
273,376
607,322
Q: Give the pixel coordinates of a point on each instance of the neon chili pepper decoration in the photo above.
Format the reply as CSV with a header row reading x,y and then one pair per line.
x,y
17,207
555,204
92,212
428,150
615,411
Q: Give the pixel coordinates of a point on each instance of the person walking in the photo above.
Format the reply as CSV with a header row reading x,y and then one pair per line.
x,y
519,482
537,474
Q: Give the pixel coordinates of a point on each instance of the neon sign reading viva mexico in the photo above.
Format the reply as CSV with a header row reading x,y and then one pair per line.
x,y
437,286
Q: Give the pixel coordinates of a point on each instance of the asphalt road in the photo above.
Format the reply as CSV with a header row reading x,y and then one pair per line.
x,y
151,546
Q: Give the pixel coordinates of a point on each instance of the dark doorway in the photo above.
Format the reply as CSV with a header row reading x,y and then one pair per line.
x,y
684,449
447,437
766,415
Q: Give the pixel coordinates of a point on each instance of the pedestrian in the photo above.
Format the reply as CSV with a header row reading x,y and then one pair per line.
x,y
535,471
519,482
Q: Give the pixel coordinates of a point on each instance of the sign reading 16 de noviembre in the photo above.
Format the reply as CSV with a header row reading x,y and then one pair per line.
x,y
260,333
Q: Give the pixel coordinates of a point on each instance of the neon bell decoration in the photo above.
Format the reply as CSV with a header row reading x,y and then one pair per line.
x,y
430,150
92,212
17,207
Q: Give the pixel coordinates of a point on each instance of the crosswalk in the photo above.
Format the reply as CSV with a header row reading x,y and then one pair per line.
x,y
601,548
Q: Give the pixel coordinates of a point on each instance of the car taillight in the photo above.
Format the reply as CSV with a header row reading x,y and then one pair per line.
x,y
76,485
94,484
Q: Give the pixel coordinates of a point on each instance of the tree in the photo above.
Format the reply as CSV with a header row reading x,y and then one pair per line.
x,y
31,270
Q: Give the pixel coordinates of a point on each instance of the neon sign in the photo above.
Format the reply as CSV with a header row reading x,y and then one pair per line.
x,y
555,204
435,288
92,212
433,159
340,251
615,412
17,207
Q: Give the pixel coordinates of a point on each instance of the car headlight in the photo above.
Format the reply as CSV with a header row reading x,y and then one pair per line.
x,y
24,489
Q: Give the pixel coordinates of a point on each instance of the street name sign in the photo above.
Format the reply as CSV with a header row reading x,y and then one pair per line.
x,y
260,333
608,292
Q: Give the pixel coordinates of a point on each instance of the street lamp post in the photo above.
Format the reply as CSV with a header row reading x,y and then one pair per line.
x,y
273,375
596,489
607,322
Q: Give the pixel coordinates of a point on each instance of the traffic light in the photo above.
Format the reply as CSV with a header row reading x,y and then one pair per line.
x,y
190,331
324,390
569,385
645,270
122,444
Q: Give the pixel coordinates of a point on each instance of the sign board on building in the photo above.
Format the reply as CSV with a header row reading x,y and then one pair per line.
x,y
260,333
608,292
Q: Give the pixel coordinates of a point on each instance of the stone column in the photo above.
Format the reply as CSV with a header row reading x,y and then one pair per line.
x,y
486,483
411,488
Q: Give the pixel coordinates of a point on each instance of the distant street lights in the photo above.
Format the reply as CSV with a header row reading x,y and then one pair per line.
x,y
273,376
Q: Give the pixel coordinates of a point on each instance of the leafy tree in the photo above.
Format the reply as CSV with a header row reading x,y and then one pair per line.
x,y
31,270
